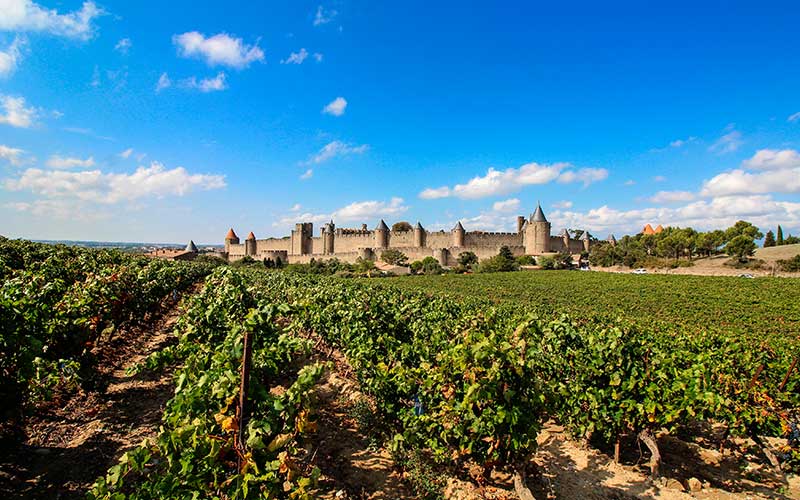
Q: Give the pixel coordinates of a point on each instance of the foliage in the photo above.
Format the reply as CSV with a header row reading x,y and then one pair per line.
x,y
526,260
779,240
769,239
394,257
790,265
741,247
547,262
504,261
428,265
401,226
467,259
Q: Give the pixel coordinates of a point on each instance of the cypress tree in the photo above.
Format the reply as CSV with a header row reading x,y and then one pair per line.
x,y
780,235
769,239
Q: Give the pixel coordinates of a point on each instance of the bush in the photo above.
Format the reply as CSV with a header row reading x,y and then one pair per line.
x,y
502,262
416,266
526,260
790,265
547,262
394,257
245,262
211,259
429,265
467,260
752,264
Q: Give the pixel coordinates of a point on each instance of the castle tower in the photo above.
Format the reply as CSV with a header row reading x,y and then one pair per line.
x,y
301,242
458,235
250,245
520,223
328,235
191,247
612,240
564,235
419,235
585,240
230,239
382,235
537,233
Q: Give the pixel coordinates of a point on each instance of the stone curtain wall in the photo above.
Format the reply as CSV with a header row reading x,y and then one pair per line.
x,y
492,240
273,244
352,242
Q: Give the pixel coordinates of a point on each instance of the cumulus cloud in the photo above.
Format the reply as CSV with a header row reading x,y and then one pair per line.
x,y
562,204
206,84
324,16
336,149
728,143
772,159
59,209
163,82
218,50
357,211
123,46
509,205
296,57
15,113
10,57
336,107
57,161
11,155
500,182
126,154
26,15
672,196
109,188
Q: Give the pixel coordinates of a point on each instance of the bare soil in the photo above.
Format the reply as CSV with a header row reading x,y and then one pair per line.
x,y
74,438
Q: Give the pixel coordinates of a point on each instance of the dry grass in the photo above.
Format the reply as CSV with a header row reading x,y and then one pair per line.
x,y
778,253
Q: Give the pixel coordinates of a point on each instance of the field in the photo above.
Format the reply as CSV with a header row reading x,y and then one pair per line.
x,y
753,308
262,384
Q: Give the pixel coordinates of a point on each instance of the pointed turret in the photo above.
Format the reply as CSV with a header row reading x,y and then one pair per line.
x,y
251,236
538,215
231,235
418,226
382,235
648,229
250,245
564,233
191,247
611,239
458,227
586,240
585,236
658,228
458,235
230,239
382,226
419,235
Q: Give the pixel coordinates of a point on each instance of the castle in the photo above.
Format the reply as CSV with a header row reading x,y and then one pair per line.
x,y
531,238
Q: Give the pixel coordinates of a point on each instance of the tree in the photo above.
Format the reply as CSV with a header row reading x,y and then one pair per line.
x,y
743,228
791,240
741,247
467,259
402,226
526,260
394,257
769,239
502,262
709,243
431,266
780,236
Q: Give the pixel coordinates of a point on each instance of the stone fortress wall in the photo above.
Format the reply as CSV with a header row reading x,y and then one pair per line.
x,y
533,237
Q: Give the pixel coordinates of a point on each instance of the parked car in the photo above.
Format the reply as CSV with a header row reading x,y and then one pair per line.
x,y
641,270
746,275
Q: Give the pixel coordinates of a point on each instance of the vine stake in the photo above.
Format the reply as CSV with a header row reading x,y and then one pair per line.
x,y
247,357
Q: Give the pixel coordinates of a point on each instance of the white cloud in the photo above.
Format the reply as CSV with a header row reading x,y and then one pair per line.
x,y
771,159
163,82
741,182
335,149
357,211
11,155
794,118
672,196
682,142
336,107
26,15
728,143
324,16
16,114
109,188
123,46
659,178
9,58
584,175
509,205
435,193
296,207
562,204
500,182
318,57
307,174
630,182
206,84
57,161
296,57
218,50
60,209
126,154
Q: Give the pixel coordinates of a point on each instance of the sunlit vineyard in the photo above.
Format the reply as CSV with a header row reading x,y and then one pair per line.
x,y
461,379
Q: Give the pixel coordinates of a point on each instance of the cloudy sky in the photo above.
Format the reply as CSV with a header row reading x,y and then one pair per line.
x,y
154,121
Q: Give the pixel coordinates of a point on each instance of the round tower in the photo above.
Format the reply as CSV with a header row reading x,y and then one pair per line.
x,y
328,233
250,245
230,239
458,235
585,240
419,235
382,235
537,233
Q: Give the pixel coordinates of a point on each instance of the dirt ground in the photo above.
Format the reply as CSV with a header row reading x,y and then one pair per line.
x,y
76,437
714,266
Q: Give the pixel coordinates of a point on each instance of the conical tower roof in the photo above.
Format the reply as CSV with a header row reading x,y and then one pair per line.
x,y
382,226
538,215
458,227
231,235
251,236
611,238
191,247
563,233
648,229
659,228
585,236
418,226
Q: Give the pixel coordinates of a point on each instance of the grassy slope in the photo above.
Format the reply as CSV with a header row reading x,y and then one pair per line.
x,y
778,253
753,307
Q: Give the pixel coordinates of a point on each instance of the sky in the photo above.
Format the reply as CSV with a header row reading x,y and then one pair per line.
x,y
165,121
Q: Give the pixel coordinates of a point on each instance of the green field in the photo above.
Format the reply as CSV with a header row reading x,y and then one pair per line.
x,y
755,307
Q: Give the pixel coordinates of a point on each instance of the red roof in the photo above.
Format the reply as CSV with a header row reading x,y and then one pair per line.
x,y
231,235
251,236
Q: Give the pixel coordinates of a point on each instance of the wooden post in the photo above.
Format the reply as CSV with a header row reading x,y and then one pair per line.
x,y
616,450
789,372
247,357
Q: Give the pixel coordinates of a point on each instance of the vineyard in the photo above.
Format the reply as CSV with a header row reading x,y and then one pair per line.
x,y
454,386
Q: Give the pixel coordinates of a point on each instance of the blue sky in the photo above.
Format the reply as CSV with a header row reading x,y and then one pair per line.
x,y
151,121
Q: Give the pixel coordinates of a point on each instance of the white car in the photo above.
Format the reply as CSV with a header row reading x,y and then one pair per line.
x,y
746,275
641,270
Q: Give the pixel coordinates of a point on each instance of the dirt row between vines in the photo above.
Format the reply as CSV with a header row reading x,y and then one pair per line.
x,y
77,436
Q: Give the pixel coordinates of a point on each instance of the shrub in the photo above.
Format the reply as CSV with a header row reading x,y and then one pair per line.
x,y
526,260
790,265
245,261
547,262
416,266
467,259
431,266
502,262
394,257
